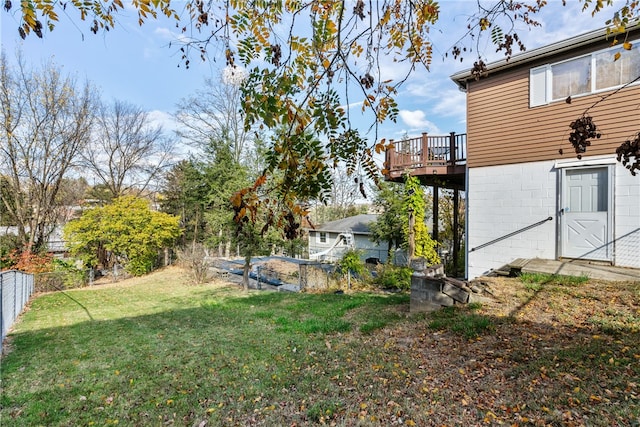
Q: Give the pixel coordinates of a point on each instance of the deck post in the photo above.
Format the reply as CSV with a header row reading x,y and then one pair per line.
x,y
456,236
424,149
389,156
452,148
434,234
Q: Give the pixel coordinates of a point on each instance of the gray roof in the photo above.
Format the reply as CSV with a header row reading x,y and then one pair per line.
x,y
542,52
358,224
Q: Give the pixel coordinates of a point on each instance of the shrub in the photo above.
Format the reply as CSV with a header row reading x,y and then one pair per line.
x,y
193,258
72,277
127,230
389,276
351,261
8,244
30,262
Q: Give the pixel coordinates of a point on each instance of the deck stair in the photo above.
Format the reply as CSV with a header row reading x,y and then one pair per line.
x,y
513,269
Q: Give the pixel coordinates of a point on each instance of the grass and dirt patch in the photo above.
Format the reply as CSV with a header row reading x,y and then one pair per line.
x,y
158,351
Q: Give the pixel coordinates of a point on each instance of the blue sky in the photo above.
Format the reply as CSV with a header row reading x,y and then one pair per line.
x,y
135,63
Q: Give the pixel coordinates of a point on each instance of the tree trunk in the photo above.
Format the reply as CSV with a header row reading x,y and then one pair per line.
x,y
245,273
411,250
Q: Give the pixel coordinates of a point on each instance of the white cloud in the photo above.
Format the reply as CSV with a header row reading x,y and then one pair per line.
x,y
164,119
168,34
417,120
352,105
451,103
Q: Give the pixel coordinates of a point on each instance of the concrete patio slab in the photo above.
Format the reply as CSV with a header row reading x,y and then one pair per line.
x,y
580,268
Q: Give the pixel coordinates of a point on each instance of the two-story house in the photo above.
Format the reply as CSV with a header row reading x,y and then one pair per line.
x,y
528,193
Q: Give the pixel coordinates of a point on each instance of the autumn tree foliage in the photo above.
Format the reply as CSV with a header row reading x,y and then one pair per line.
x,y
126,232
417,238
306,62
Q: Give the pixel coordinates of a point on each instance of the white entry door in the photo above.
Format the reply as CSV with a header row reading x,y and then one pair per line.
x,y
586,219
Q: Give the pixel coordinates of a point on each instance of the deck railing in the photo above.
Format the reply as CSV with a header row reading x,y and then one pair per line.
x,y
427,151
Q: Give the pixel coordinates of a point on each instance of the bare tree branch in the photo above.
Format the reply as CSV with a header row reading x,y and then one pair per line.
x,y
46,121
127,151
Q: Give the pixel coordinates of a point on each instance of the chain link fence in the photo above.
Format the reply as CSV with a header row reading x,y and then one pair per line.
x,y
63,280
15,289
318,277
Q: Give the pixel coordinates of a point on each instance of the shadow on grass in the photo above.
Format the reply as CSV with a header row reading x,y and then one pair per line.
x,y
231,362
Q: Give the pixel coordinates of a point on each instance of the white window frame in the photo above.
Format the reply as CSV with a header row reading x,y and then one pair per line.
x,y
322,237
541,79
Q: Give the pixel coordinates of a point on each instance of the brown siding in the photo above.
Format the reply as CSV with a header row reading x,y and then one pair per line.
x,y
502,129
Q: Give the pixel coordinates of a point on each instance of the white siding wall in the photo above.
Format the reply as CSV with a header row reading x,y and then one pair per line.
x,y
627,219
503,199
369,249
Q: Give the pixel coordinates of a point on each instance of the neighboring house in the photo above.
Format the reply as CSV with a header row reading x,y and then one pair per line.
x,y
55,245
528,193
329,241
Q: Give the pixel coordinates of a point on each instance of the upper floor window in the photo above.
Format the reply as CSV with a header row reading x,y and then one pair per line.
x,y
571,78
583,75
611,73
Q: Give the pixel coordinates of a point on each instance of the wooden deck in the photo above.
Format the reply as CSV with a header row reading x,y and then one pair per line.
x,y
435,160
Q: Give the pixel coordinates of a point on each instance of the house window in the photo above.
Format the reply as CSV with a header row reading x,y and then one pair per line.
x,y
323,237
583,75
571,78
611,72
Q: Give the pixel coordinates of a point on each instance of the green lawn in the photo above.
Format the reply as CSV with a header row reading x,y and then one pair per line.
x,y
161,350
157,351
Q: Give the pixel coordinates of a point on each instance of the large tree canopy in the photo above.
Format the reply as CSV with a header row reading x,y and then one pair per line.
x,y
307,62
126,232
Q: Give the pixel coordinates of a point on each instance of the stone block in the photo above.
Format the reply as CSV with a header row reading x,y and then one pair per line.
x,y
426,283
442,300
456,293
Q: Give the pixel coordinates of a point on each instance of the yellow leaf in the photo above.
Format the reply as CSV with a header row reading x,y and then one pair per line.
x,y
616,56
627,46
